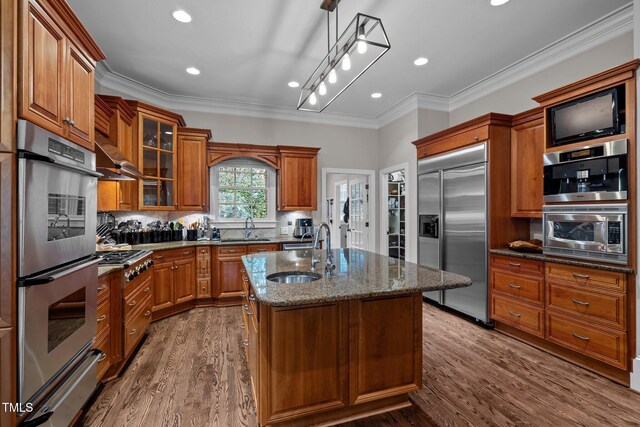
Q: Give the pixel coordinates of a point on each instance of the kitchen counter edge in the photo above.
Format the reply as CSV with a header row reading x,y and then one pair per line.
x,y
566,261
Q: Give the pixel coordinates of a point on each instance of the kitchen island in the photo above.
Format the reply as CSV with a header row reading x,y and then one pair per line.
x,y
345,346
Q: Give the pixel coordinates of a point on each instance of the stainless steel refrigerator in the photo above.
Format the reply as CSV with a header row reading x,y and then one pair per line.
x,y
452,209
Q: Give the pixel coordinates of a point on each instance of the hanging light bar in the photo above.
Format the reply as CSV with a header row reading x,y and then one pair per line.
x,y
362,43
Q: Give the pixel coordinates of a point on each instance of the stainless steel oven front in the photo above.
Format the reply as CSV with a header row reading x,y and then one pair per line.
x,y
593,232
56,201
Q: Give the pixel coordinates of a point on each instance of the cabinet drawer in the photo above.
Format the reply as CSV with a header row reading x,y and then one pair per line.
x,y
203,289
519,315
103,317
135,327
605,308
606,345
203,267
172,254
518,265
527,288
136,298
232,250
254,249
459,140
581,276
103,343
203,251
103,289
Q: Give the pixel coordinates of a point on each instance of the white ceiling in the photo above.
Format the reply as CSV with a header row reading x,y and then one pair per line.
x,y
247,50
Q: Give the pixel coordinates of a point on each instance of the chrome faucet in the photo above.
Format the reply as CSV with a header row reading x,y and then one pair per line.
x,y
330,266
247,230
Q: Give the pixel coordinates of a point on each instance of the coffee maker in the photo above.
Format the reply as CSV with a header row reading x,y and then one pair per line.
x,y
303,226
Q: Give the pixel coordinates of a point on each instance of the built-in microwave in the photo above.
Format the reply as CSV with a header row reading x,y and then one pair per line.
x,y
593,232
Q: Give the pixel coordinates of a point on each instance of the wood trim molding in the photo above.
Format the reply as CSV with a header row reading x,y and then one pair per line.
x,y
220,151
103,114
495,119
606,78
195,132
527,116
117,103
152,110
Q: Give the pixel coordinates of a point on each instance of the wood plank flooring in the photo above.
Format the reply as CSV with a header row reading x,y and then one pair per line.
x,y
192,372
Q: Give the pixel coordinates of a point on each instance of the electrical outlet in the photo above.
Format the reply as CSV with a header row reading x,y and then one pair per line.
x,y
289,222
284,230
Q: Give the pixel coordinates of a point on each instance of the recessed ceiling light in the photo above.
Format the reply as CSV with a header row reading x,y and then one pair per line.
x,y
498,2
420,61
376,95
193,71
293,84
182,16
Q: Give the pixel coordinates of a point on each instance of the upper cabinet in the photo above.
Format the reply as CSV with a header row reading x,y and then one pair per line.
x,y
298,178
57,59
155,133
527,149
193,173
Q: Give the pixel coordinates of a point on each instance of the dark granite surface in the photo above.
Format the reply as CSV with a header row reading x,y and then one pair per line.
x,y
102,271
358,274
567,261
189,243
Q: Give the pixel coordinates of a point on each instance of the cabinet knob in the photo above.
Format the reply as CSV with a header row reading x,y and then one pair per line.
x,y
245,343
132,303
475,138
147,313
146,289
66,120
102,288
204,288
102,318
133,332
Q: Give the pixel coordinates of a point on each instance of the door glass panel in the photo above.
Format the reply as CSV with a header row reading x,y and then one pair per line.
x,y
568,230
66,216
150,193
166,165
65,317
150,164
166,137
166,193
149,133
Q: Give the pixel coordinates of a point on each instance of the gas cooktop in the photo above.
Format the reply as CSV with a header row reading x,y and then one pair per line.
x,y
125,258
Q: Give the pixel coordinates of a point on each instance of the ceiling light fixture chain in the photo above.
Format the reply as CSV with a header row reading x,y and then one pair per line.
x,y
362,43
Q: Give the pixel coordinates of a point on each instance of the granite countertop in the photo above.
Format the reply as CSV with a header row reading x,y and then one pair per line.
x,y
358,274
103,271
567,261
191,243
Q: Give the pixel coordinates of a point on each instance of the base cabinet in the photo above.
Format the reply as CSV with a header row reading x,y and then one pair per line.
x,y
227,273
8,373
174,278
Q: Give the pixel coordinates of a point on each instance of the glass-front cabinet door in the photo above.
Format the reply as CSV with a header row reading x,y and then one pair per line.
x,y
158,164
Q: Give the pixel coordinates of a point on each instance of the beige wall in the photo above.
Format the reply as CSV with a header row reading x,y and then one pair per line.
x,y
516,97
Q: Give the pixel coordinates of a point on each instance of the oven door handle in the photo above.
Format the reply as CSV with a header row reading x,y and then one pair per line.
x,y
57,274
28,155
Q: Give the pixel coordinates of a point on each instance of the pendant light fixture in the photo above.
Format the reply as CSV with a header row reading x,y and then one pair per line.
x,y
361,44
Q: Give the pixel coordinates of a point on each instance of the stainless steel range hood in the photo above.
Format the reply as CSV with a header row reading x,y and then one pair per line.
x,y
112,164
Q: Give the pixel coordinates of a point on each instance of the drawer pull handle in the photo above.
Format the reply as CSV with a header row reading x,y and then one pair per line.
x,y
186,253
246,307
147,313
242,326
102,357
147,289
132,303
580,276
581,337
158,256
245,343
580,302
102,318
252,297
102,288
242,270
514,264
515,314
133,332
242,295
511,285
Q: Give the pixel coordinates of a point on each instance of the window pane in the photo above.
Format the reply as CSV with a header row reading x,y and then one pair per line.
x,y
150,193
259,180
259,196
226,211
259,170
149,133
243,180
226,196
243,211
166,165
244,196
243,170
150,162
226,179
259,211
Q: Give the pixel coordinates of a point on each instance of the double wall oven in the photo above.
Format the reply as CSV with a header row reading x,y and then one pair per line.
x,y
58,275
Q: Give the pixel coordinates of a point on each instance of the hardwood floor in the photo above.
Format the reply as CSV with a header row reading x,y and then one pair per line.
x,y
192,372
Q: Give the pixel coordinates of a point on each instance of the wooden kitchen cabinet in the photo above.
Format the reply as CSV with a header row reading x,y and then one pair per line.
x,y
56,72
203,273
184,283
227,273
193,173
8,240
155,142
174,281
298,179
114,120
162,285
527,149
7,373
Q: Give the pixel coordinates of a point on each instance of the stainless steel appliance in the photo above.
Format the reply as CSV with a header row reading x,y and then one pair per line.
x,y
58,277
594,232
452,208
594,172
57,200
304,226
135,262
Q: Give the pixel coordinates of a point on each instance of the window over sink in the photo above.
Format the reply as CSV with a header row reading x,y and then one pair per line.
x,y
241,188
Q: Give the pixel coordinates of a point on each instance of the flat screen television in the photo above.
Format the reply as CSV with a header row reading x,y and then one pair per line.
x,y
586,118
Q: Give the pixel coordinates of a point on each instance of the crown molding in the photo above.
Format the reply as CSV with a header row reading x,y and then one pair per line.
x,y
598,32
607,28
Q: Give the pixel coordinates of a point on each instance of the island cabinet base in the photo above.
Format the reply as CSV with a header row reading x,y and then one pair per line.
x,y
333,362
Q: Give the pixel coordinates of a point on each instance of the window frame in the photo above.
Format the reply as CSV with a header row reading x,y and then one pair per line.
x,y
214,173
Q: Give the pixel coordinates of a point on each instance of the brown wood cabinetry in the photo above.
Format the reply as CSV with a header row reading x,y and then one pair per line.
x,y
174,280
8,238
527,149
56,73
203,272
193,173
105,322
227,275
298,179
7,373
114,120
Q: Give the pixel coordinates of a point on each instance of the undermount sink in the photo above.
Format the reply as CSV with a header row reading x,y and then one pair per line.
x,y
244,240
294,277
